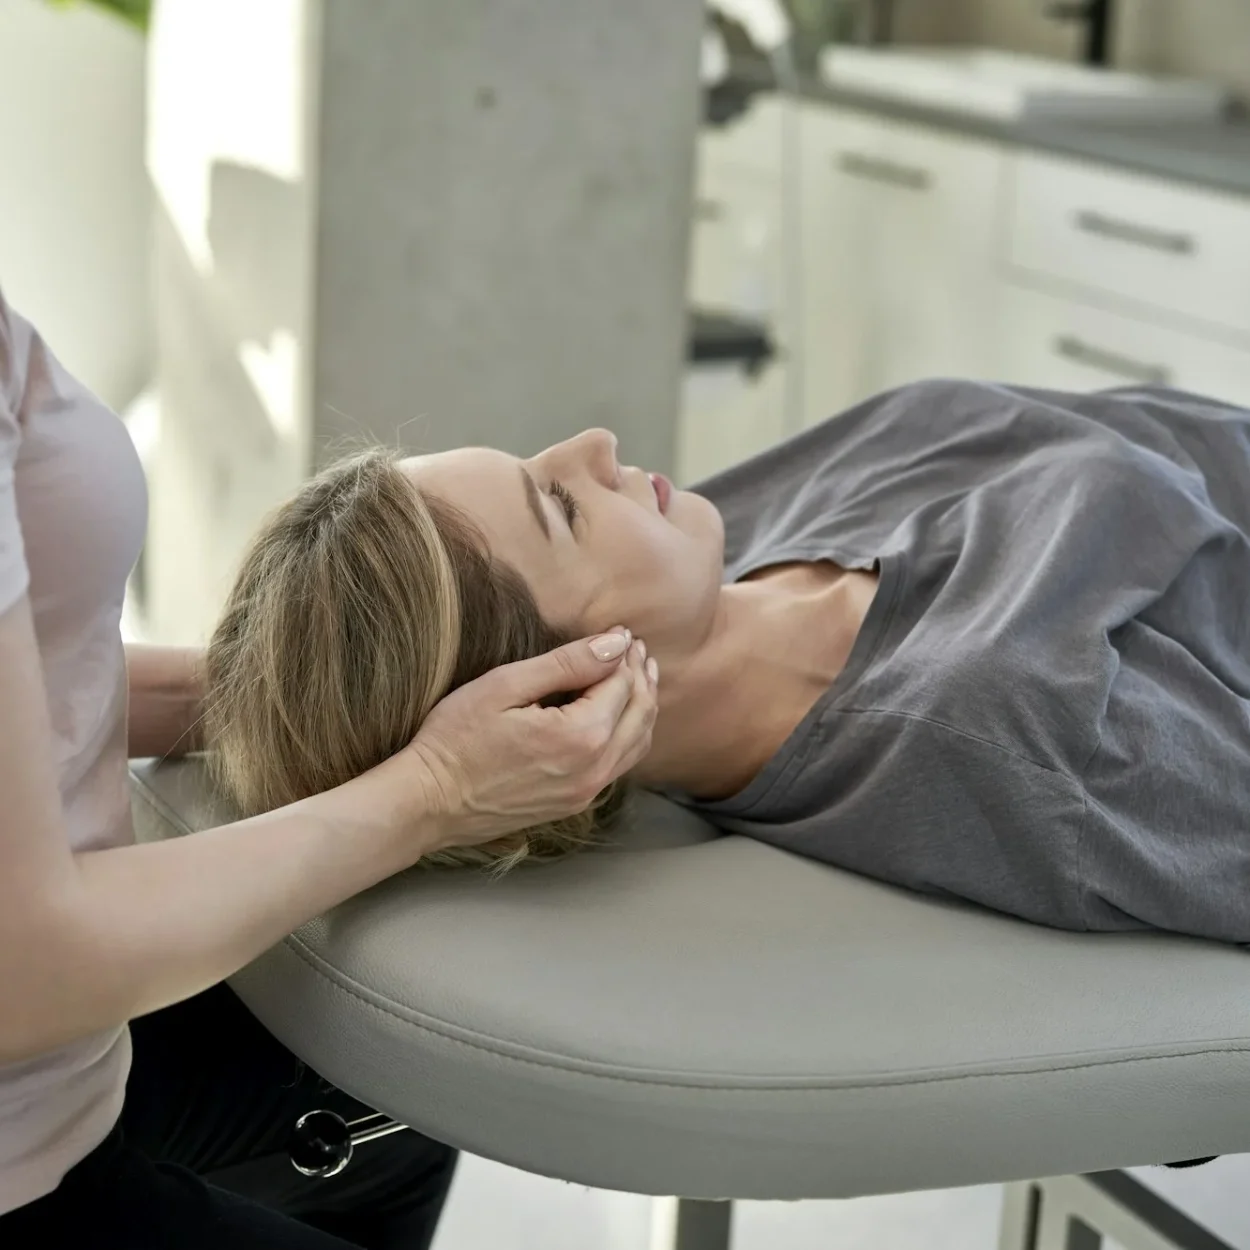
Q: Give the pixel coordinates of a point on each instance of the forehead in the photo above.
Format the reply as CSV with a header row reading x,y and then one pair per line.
x,y
463,464
487,485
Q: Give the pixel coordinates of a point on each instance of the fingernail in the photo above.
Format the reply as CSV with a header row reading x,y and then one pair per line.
x,y
642,649
653,670
609,646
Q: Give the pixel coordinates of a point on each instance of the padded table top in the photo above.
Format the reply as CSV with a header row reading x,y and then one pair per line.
x,y
706,1016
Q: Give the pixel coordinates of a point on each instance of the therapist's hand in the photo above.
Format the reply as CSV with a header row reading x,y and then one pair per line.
x,y
496,761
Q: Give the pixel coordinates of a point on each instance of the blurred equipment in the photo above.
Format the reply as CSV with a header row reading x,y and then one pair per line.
x,y
743,387
765,21
1095,16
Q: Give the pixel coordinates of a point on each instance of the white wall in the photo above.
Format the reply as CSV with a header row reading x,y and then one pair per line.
x,y
73,191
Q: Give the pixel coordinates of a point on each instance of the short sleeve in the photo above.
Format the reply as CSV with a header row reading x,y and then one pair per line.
x,y
13,572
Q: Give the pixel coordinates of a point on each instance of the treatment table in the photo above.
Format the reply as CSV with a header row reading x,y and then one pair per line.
x,y
682,1013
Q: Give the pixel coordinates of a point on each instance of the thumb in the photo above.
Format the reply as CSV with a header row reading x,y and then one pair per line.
x,y
574,666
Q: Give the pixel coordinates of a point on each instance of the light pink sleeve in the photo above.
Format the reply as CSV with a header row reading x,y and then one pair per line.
x,y
13,352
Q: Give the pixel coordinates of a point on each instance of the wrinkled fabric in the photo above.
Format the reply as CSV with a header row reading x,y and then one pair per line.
x,y
1046,709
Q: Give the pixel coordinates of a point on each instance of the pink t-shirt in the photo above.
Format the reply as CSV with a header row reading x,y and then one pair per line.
x,y
73,510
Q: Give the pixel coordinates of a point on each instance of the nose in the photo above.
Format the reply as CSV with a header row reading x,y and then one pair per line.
x,y
593,451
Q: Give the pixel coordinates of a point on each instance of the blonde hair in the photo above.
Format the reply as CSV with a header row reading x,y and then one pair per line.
x,y
359,605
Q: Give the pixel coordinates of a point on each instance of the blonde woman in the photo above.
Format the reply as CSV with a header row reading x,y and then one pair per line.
x,y
985,642
161,1134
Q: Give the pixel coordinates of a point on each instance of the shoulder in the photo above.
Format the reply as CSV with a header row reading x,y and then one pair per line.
x,y
14,352
17,337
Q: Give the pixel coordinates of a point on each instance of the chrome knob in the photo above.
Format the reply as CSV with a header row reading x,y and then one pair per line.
x,y
322,1142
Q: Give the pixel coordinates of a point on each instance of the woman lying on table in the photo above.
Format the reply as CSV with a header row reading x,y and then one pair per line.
x,y
981,641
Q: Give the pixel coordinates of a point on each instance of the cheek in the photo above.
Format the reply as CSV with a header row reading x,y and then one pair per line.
x,y
564,596
646,572
656,573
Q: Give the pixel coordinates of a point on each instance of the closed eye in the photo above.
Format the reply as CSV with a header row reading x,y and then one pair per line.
x,y
564,497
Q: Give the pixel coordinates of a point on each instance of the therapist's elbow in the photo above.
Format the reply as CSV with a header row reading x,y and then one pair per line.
x,y
50,976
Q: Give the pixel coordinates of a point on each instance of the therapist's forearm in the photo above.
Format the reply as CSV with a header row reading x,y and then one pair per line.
x,y
125,931
166,699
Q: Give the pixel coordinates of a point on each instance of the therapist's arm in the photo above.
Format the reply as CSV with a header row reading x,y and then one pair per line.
x,y
166,697
92,938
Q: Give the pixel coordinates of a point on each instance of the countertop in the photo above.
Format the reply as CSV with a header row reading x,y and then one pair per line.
x,y
1212,154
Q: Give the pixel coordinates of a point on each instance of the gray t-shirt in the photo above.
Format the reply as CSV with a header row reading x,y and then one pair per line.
x,y
1047,709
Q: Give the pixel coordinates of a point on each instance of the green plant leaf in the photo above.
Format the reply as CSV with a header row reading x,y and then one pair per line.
x,y
136,12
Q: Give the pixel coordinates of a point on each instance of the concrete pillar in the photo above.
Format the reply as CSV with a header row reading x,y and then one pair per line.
x,y
405,221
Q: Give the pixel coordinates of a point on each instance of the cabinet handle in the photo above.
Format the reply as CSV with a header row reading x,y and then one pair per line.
x,y
1071,348
708,210
1173,241
877,169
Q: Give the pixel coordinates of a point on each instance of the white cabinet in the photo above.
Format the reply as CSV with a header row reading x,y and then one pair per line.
x,y
752,140
1115,278
1179,251
727,417
889,252
1052,341
899,235
738,266
736,249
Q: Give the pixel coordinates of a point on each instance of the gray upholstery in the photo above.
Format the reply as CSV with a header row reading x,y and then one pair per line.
x,y
713,1018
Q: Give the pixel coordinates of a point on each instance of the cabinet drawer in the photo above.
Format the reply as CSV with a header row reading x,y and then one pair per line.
x,y
1180,250
862,149
1053,342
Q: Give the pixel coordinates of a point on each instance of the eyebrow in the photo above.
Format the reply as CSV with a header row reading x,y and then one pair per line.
x,y
535,502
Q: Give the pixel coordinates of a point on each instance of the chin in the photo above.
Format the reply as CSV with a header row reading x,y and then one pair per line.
x,y
695,513
700,520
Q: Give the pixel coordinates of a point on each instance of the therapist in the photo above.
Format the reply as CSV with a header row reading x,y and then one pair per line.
x,y
96,931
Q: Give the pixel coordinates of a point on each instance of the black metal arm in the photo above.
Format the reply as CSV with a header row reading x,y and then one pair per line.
x,y
723,338
1096,15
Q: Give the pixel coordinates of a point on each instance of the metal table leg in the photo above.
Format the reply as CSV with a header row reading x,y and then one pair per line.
x,y
1021,1211
1084,1212
691,1224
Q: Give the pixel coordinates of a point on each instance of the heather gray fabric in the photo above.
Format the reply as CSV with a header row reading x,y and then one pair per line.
x,y
1046,709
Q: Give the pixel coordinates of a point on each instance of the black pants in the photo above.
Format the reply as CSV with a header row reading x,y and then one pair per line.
x,y
198,1161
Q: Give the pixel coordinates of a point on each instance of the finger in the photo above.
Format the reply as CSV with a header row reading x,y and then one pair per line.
x,y
596,713
636,741
631,739
575,666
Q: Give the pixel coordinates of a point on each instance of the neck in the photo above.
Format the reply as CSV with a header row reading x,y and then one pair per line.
x,y
729,701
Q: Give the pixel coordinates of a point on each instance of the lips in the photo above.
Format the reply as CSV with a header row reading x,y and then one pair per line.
x,y
663,490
